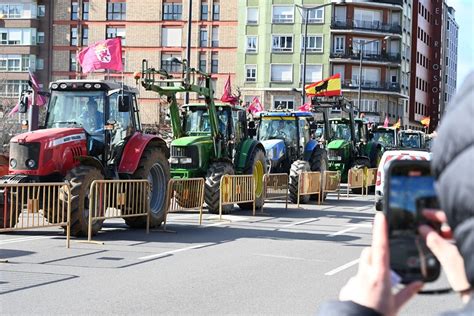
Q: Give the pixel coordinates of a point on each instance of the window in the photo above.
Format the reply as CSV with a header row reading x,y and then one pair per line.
x,y
252,15
339,44
315,16
202,62
282,43
40,64
314,43
25,62
367,18
21,36
172,11
116,10
203,37
215,36
283,14
167,65
216,12
115,31
214,63
73,36
40,38
13,88
367,105
85,36
171,37
369,49
72,61
282,103
281,73
251,44
41,10
204,11
85,11
74,10
370,76
250,73
314,73
11,11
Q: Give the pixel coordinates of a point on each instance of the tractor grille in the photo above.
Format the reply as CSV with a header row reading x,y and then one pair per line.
x,y
335,154
185,152
23,152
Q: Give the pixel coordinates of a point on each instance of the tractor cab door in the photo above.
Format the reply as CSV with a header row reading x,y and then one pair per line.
x,y
121,117
303,134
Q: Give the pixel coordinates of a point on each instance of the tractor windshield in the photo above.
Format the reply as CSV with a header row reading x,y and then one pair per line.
x,y
410,140
386,138
77,108
197,122
278,129
340,130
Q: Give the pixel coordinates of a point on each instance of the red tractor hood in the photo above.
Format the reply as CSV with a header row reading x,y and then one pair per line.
x,y
51,136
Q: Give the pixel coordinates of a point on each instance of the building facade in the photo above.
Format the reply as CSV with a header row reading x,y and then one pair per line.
x,y
155,30
25,42
270,50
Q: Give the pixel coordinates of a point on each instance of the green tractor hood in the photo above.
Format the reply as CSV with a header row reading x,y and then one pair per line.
x,y
191,140
337,144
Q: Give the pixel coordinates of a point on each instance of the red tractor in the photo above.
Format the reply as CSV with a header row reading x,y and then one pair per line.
x,y
92,131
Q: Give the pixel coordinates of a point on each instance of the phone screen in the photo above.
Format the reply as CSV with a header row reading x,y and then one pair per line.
x,y
410,190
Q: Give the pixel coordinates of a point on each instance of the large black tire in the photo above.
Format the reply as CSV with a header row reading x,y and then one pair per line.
x,y
297,168
153,166
319,162
212,188
258,158
360,163
81,178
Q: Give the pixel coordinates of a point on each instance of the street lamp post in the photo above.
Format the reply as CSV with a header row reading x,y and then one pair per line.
x,y
188,47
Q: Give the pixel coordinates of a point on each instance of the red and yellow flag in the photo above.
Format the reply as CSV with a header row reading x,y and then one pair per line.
x,y
398,124
425,121
328,87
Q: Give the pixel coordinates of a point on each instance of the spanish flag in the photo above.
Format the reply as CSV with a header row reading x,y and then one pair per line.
x,y
425,121
398,124
328,87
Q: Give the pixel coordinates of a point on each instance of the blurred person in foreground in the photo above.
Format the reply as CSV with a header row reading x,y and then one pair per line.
x,y
370,292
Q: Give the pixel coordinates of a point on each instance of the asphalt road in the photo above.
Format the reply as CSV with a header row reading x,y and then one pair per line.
x,y
280,263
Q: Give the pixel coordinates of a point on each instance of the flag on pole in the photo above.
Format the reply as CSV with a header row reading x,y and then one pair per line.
x,y
305,107
398,124
105,54
385,123
228,96
425,121
328,87
255,107
40,100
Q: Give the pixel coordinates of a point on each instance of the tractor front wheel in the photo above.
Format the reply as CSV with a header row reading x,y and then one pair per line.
x,y
297,168
212,189
319,163
257,169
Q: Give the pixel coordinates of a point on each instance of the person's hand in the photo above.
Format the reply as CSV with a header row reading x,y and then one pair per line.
x,y
371,287
446,252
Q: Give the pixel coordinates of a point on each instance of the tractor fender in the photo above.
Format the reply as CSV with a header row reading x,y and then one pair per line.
x,y
92,162
245,153
311,146
134,149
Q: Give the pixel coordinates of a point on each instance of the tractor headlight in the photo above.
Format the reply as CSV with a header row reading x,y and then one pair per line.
x,y
174,160
30,163
13,163
87,86
186,160
63,86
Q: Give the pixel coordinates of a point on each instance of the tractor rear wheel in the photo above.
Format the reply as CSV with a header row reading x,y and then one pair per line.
x,y
319,162
297,168
363,164
153,166
257,169
212,188
81,178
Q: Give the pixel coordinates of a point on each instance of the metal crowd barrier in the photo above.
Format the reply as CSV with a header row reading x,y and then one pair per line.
x,y
331,182
118,199
309,183
355,179
35,205
276,187
235,189
370,179
185,194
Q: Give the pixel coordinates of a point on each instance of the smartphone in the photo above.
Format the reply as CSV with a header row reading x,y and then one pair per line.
x,y
409,188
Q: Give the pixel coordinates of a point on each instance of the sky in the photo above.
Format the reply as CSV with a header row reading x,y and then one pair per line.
x,y
465,18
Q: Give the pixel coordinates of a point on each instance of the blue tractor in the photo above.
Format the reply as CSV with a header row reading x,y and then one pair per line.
x,y
291,145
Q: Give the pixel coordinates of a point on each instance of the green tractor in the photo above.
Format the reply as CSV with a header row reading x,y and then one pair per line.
x,y
209,140
349,145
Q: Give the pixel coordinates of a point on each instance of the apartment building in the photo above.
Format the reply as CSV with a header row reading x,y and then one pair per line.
x,y
150,29
24,44
270,50
375,30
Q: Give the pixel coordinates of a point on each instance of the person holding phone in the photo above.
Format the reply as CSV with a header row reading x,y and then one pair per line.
x,y
370,292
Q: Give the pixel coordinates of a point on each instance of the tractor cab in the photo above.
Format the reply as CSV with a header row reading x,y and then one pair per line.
x,y
412,139
387,136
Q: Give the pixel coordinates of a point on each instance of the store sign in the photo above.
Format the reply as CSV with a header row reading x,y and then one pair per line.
x,y
435,72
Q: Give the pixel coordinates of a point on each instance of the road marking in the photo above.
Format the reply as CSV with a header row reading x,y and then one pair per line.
x,y
15,240
351,228
299,223
343,267
287,257
158,255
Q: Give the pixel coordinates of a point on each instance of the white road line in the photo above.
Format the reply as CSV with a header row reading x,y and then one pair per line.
x,y
15,240
287,257
299,223
351,228
343,267
158,255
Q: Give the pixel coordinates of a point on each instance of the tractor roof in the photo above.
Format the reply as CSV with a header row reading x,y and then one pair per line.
x,y
287,114
217,104
80,84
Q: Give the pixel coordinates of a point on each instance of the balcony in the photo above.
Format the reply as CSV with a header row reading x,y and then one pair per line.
x,y
368,56
374,26
371,85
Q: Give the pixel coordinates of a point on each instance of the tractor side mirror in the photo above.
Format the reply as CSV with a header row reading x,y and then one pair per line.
x,y
23,102
252,129
124,103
